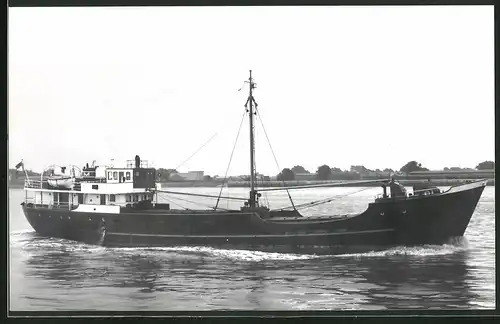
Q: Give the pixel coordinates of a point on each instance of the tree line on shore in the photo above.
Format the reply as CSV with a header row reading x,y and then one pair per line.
x,y
356,172
324,172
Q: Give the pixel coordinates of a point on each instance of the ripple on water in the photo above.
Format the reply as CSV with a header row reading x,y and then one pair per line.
x,y
52,274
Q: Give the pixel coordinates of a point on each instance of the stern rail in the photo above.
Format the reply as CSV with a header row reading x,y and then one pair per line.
x,y
32,202
36,184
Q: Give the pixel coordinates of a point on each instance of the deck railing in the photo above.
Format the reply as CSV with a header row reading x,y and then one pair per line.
x,y
43,184
36,184
31,201
99,180
40,184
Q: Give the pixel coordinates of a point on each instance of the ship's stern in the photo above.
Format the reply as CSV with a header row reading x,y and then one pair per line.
x,y
62,223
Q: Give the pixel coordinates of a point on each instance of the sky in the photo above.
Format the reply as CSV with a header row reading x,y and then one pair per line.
x,y
373,86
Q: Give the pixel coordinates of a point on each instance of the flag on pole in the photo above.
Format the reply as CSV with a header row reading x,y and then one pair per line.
x,y
20,164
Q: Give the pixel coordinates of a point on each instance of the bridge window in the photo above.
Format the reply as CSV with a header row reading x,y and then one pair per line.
x,y
112,198
128,175
110,176
136,197
95,186
115,175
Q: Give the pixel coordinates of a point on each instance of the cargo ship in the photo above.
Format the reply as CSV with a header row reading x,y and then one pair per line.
x,y
118,207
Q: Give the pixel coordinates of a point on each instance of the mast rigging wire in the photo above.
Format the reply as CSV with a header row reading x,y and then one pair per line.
x,y
193,202
163,199
200,195
230,159
322,201
204,144
325,185
272,151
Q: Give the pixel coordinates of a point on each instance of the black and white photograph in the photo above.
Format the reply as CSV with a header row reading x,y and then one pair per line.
x,y
251,158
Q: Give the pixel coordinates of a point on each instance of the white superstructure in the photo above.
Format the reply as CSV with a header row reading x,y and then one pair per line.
x,y
95,189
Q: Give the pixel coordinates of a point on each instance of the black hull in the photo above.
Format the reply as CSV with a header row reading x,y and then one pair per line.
x,y
433,219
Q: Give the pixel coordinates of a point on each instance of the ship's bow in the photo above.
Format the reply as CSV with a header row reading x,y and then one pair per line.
x,y
436,219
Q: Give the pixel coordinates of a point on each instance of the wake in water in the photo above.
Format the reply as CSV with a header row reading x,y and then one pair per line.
x,y
21,238
29,241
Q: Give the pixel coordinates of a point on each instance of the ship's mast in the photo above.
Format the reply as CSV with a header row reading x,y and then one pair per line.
x,y
251,101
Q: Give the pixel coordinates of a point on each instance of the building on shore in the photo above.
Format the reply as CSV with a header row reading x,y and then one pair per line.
x,y
187,176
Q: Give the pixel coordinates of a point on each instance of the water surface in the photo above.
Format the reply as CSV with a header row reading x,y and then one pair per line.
x,y
52,274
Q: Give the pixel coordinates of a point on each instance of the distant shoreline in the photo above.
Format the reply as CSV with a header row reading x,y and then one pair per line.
x,y
243,184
